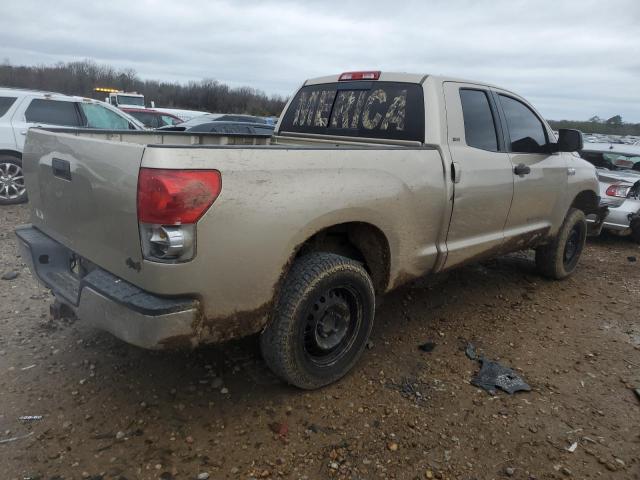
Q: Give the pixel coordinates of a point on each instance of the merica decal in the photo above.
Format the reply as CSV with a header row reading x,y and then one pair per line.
x,y
352,108
377,110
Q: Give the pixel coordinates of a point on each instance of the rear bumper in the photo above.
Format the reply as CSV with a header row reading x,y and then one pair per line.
x,y
107,302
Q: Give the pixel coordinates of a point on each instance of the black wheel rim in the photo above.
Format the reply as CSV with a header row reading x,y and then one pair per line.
x,y
573,247
332,324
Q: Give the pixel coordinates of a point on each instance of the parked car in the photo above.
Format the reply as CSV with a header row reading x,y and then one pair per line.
x,y
228,128
218,117
367,184
23,109
152,118
618,170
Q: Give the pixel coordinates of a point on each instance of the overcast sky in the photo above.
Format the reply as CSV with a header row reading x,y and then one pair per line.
x,y
572,59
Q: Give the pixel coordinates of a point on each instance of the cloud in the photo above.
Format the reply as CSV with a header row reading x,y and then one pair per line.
x,y
571,59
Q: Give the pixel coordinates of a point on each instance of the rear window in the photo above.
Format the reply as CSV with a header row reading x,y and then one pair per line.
x,y
52,112
479,126
386,110
99,117
5,104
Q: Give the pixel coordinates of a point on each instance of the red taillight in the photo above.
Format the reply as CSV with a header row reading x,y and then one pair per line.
x,y
175,197
618,190
359,76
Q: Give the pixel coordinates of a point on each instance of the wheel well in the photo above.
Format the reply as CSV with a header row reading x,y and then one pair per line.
x,y
587,201
359,241
11,153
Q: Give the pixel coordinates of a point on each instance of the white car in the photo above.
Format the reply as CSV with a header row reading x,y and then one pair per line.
x,y
22,109
618,170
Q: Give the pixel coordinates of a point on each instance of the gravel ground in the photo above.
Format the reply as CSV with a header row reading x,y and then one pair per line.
x,y
112,411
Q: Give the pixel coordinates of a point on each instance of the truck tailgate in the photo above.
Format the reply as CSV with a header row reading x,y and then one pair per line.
x,y
82,193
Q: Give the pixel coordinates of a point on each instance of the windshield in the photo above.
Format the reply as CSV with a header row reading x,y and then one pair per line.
x,y
131,100
387,110
613,161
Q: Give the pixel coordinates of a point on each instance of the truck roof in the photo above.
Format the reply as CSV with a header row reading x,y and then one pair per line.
x,y
8,91
402,77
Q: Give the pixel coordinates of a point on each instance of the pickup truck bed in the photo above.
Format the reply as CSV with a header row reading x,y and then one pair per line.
x,y
169,239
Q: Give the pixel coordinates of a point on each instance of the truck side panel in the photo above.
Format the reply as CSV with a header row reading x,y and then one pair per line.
x,y
273,199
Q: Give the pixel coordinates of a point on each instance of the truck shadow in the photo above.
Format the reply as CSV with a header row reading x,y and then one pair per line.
x,y
237,366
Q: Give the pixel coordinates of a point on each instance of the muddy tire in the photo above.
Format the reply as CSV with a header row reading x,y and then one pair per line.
x,y
559,258
12,189
321,322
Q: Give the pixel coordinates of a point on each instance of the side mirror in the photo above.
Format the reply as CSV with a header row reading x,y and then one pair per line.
x,y
569,140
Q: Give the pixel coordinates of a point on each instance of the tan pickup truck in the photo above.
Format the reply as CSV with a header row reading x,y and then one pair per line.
x,y
371,180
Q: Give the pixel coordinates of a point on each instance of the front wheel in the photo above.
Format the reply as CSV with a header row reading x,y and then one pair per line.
x,y
321,322
559,258
12,189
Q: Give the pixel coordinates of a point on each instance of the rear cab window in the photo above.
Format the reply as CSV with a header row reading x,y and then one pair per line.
x,y
367,109
5,104
479,122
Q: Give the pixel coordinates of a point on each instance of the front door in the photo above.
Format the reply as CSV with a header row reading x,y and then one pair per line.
x,y
483,177
540,177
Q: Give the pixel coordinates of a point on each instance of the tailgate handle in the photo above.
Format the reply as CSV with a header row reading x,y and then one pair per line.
x,y
61,168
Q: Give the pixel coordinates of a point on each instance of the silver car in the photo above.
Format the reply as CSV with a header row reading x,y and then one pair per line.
x,y
618,169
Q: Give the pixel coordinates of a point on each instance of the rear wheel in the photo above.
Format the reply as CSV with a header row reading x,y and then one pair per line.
x,y
559,258
12,188
321,322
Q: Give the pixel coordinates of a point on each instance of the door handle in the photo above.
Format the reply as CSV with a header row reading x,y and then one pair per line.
x,y
456,172
61,168
522,169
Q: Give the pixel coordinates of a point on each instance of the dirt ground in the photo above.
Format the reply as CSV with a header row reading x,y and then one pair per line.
x,y
112,411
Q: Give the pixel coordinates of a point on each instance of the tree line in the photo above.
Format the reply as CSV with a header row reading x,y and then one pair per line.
x,y
610,126
80,78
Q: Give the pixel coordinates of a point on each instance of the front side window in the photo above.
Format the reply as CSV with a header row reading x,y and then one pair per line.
x,y
168,120
103,118
148,119
5,104
526,132
386,110
479,124
52,112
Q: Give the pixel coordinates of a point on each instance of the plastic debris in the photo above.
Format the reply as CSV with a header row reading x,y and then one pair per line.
x,y
492,375
30,418
28,367
572,448
427,347
470,352
13,439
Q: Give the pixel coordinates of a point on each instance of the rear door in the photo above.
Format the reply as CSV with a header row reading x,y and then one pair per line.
x,y
45,112
540,177
483,178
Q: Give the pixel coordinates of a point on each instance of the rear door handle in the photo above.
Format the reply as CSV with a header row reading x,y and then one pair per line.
x,y
61,168
522,169
456,172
